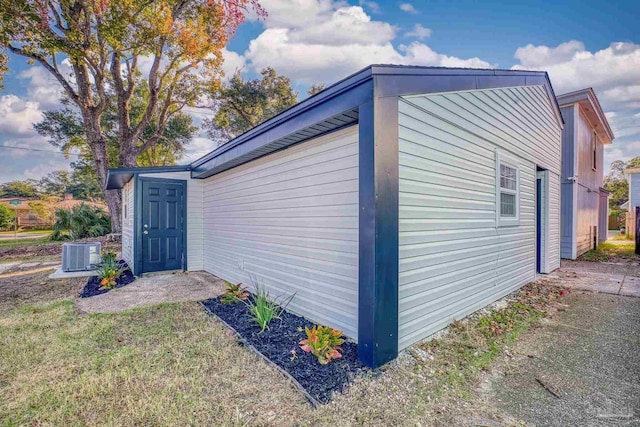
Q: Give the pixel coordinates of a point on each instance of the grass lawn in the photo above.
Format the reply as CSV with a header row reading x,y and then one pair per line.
x,y
620,237
11,233
172,364
28,241
609,252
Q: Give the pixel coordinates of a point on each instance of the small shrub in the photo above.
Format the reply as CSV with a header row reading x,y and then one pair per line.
x,y
234,293
323,342
109,258
109,271
81,222
263,309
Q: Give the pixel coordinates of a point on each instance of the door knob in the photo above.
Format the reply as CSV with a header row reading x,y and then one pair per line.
x,y
145,232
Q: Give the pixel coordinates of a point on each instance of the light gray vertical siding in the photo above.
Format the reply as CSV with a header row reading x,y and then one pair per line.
x,y
195,221
588,184
634,191
127,223
290,219
567,225
453,257
603,218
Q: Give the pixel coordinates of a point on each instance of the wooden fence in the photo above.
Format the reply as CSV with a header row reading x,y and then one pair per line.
x,y
631,224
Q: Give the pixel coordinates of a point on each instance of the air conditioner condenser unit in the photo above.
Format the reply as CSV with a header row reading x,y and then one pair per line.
x,y
80,256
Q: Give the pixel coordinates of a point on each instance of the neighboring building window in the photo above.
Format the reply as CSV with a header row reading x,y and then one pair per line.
x,y
126,199
594,151
507,192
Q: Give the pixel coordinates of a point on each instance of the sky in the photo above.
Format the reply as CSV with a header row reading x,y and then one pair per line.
x,y
580,44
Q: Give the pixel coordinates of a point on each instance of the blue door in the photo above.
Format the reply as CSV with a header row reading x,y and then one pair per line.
x,y
163,225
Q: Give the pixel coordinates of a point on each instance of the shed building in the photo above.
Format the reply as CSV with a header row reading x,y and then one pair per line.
x,y
391,203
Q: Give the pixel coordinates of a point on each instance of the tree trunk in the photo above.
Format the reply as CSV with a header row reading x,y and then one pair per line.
x,y
99,150
114,205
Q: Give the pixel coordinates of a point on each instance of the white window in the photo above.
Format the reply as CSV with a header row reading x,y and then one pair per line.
x,y
507,192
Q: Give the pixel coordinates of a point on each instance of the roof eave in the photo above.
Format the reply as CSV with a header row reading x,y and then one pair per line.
x,y
118,177
587,95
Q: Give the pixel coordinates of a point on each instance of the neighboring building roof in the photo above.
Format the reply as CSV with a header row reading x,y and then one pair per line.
x,y
589,103
630,171
337,106
625,205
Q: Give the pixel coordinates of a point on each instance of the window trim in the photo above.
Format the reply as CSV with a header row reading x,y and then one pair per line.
x,y
507,221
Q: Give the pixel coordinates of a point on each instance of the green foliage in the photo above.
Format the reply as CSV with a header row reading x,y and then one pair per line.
x,y
315,88
26,188
263,309
81,222
323,342
7,217
109,271
234,293
607,252
242,104
616,183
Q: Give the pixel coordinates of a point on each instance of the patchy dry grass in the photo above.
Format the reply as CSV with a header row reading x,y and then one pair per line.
x,y
621,237
609,252
172,364
166,365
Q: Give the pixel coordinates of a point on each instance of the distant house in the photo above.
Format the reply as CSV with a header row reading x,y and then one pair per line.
x,y
390,203
585,204
633,177
27,216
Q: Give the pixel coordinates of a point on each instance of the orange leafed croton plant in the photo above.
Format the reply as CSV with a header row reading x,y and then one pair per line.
x,y
323,342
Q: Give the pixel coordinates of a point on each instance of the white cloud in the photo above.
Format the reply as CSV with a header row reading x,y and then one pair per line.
x,y
232,61
408,7
537,56
419,32
613,71
614,74
338,43
347,25
198,147
371,5
420,54
296,13
17,116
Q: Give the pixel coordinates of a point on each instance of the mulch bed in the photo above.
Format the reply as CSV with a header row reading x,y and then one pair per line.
x,y
93,285
278,343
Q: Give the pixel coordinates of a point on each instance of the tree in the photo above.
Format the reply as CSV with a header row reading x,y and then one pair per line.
x,y
6,217
176,44
241,104
27,188
56,183
616,183
315,88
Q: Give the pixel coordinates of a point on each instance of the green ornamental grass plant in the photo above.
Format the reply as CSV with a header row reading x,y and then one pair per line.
x,y
263,309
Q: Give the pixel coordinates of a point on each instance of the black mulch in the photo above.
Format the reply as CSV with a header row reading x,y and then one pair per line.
x,y
93,285
283,336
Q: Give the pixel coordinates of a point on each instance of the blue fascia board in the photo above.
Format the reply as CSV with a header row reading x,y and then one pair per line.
x,y
118,177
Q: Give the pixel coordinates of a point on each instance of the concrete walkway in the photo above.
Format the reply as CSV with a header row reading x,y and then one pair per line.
x,y
582,368
152,290
609,278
